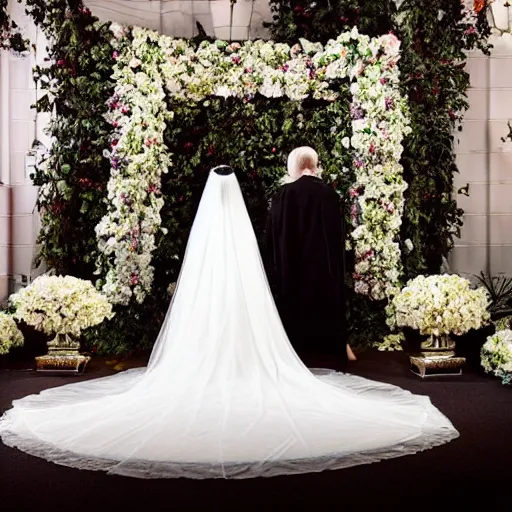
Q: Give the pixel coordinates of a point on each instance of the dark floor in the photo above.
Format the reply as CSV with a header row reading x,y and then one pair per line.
x,y
475,469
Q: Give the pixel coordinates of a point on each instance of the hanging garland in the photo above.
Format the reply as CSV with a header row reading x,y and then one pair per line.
x,y
153,65
138,157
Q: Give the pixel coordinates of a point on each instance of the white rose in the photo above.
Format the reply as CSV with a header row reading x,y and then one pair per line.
x,y
135,63
390,43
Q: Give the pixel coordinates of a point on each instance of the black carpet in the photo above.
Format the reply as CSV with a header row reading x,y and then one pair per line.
x,y
474,471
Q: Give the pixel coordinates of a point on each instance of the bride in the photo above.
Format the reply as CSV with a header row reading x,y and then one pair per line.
x,y
224,394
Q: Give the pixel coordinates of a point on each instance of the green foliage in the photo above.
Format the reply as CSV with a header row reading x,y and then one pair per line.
x,y
433,51
325,19
499,289
255,138
74,175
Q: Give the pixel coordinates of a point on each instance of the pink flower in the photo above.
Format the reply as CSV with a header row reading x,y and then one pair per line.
x,y
390,43
115,55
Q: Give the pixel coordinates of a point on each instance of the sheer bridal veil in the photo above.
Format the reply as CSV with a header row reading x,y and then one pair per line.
x,y
224,394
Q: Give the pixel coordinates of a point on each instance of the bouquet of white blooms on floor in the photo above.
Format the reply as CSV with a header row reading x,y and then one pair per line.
x,y
61,305
10,335
496,355
439,305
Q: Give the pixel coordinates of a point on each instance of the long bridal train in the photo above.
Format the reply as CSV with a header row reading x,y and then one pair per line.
x,y
224,394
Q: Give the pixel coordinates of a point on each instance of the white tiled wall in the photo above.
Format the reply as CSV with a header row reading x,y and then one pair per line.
x,y
484,160
178,17
17,94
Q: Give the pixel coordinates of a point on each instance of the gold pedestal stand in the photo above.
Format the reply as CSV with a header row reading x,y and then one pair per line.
x,y
437,359
63,357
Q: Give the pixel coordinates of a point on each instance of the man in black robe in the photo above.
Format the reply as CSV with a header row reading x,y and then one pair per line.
x,y
304,259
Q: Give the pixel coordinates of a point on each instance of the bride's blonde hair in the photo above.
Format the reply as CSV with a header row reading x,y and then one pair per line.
x,y
300,160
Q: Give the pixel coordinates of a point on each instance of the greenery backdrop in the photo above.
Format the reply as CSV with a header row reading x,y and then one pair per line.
x,y
434,38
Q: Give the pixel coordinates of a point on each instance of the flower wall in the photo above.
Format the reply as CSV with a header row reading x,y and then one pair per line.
x,y
151,66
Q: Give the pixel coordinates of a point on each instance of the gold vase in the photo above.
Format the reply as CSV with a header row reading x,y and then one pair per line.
x,y
63,345
63,356
439,346
437,358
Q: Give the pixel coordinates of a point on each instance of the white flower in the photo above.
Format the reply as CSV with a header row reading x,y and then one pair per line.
x,y
345,142
61,305
496,354
440,305
390,44
224,92
118,30
135,63
10,335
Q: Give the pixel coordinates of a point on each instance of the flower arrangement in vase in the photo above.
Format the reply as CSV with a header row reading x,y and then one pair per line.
x,y
62,306
439,306
496,355
10,335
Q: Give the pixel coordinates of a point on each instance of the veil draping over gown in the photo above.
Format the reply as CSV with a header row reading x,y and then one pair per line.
x,y
224,394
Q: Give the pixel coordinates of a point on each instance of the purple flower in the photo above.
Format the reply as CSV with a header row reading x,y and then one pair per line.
x,y
390,103
356,112
358,163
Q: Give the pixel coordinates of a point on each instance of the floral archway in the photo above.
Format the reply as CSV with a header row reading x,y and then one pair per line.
x,y
150,67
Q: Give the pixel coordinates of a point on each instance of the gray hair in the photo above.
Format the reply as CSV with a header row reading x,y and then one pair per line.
x,y
300,160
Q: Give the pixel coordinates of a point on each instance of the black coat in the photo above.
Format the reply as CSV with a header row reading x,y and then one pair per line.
x,y
304,260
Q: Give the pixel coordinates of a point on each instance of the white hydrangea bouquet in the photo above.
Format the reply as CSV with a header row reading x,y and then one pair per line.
x,y
496,355
438,306
61,305
10,335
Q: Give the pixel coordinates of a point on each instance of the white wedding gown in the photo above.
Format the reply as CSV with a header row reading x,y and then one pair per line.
x,y
224,394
